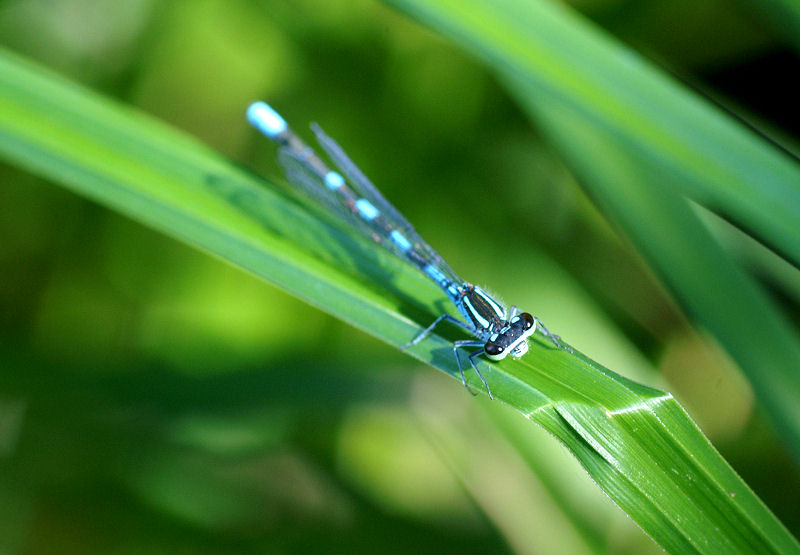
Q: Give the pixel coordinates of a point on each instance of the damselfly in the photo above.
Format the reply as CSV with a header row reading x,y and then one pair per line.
x,y
499,332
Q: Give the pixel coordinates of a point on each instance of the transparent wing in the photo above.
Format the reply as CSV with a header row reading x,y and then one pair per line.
x,y
360,182
302,176
364,188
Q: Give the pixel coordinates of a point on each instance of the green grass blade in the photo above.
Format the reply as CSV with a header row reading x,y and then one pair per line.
x,y
722,165
638,141
635,441
674,241
783,15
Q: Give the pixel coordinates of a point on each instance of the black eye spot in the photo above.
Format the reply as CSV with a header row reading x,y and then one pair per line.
x,y
528,320
493,349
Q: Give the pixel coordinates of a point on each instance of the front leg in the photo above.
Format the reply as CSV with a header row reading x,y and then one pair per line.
x,y
554,338
427,331
471,343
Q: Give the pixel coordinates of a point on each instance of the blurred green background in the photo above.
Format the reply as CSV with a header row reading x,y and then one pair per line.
x,y
153,398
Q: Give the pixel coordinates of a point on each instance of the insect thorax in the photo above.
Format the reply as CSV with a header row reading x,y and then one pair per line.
x,y
483,312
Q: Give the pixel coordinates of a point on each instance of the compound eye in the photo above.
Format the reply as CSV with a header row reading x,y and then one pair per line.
x,y
493,349
528,319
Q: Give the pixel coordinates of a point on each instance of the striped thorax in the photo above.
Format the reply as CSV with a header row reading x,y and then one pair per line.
x,y
503,335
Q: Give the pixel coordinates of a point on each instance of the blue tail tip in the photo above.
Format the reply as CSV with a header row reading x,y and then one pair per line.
x,y
265,119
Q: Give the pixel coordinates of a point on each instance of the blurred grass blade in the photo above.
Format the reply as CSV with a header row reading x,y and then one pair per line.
x,y
681,249
636,442
784,15
638,141
721,164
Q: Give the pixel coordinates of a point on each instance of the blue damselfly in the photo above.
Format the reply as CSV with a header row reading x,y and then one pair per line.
x,y
499,332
